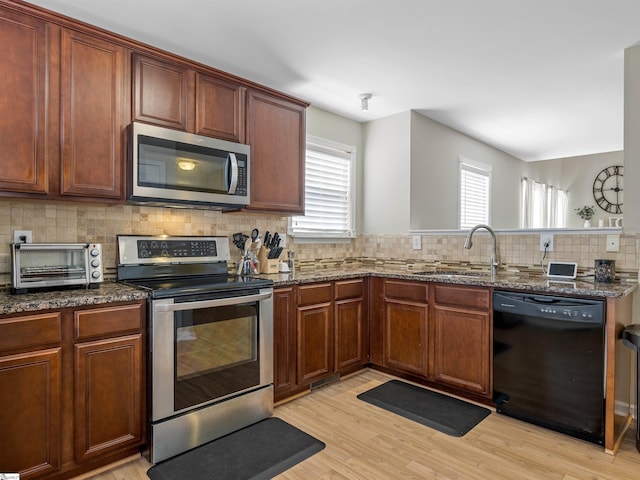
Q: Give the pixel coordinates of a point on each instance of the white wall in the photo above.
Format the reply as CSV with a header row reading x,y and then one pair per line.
x,y
387,172
632,139
435,150
330,126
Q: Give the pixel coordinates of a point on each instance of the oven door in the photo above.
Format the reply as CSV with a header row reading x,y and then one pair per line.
x,y
205,351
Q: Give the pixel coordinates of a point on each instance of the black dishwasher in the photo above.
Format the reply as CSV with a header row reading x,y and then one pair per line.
x,y
548,362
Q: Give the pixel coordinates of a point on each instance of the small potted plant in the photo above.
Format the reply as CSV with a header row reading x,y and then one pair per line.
x,y
586,213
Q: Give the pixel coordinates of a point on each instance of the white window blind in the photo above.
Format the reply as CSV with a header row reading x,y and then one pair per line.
x,y
475,189
329,189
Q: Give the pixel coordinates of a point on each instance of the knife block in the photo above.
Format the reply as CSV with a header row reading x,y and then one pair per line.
x,y
268,265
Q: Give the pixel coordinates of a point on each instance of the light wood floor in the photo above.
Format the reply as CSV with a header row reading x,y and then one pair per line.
x,y
366,442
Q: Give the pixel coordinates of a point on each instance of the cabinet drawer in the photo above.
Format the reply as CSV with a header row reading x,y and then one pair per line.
x,y
414,291
115,320
314,294
349,289
30,331
475,298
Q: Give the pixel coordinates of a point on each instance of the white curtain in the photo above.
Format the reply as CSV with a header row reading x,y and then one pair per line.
x,y
542,205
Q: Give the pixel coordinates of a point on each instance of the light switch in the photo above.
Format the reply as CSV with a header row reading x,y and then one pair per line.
x,y
613,243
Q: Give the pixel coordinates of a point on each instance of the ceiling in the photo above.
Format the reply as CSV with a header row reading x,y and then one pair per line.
x,y
538,79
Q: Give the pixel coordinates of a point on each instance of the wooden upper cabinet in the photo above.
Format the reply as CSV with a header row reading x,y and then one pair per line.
x,y
276,134
173,95
219,108
23,104
93,106
162,93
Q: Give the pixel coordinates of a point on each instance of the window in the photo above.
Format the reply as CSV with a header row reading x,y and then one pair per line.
x,y
475,190
542,205
329,186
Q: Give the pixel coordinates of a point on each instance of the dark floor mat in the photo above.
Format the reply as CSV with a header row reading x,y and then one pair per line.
x,y
260,451
441,412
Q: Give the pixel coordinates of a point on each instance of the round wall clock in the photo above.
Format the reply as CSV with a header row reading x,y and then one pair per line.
x,y
607,189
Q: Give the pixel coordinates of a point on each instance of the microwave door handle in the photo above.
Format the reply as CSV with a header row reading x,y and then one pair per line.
x,y
232,173
174,307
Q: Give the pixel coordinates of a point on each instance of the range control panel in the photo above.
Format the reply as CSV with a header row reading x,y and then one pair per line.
x,y
154,250
177,248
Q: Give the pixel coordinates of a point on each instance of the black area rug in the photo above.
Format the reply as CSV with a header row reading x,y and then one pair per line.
x,y
446,414
260,451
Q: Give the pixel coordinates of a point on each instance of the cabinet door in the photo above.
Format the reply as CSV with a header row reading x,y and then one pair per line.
x,y
108,395
93,106
284,335
351,325
162,93
30,412
350,334
315,343
219,108
461,349
405,336
276,134
23,104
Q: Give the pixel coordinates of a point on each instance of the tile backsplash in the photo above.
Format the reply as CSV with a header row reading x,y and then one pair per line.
x,y
78,222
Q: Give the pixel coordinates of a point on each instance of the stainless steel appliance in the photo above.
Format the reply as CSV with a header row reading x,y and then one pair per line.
x,y
210,340
38,266
172,167
548,362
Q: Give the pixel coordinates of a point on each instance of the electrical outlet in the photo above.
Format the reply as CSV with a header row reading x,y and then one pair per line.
x,y
546,242
22,236
613,243
417,242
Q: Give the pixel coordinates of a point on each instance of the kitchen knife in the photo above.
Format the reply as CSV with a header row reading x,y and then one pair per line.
x,y
267,239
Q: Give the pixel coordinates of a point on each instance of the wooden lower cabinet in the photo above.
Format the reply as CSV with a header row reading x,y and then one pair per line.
x,y
315,332
73,384
461,343
30,412
406,338
284,339
435,332
351,325
319,330
108,396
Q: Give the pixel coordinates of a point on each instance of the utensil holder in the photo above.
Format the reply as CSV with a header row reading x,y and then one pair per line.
x,y
268,265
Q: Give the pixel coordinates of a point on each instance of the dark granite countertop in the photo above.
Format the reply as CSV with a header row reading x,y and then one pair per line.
x,y
506,280
110,292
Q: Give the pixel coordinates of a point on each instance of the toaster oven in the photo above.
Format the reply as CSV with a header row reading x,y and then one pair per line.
x,y
38,266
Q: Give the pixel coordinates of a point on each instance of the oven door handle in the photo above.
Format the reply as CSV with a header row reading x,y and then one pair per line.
x,y
174,307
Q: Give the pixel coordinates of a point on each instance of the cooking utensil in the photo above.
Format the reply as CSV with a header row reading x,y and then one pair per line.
x,y
276,240
254,234
239,240
267,239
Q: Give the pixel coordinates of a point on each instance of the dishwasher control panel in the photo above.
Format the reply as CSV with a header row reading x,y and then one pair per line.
x,y
549,307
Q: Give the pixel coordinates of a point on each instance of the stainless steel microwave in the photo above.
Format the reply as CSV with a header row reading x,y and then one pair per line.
x,y
170,167
36,266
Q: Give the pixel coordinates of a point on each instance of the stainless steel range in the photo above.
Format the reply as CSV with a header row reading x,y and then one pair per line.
x,y
210,340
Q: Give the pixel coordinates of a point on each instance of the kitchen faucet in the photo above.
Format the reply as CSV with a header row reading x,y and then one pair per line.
x,y
495,261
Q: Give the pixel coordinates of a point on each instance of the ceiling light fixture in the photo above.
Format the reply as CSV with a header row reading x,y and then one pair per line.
x,y
364,101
